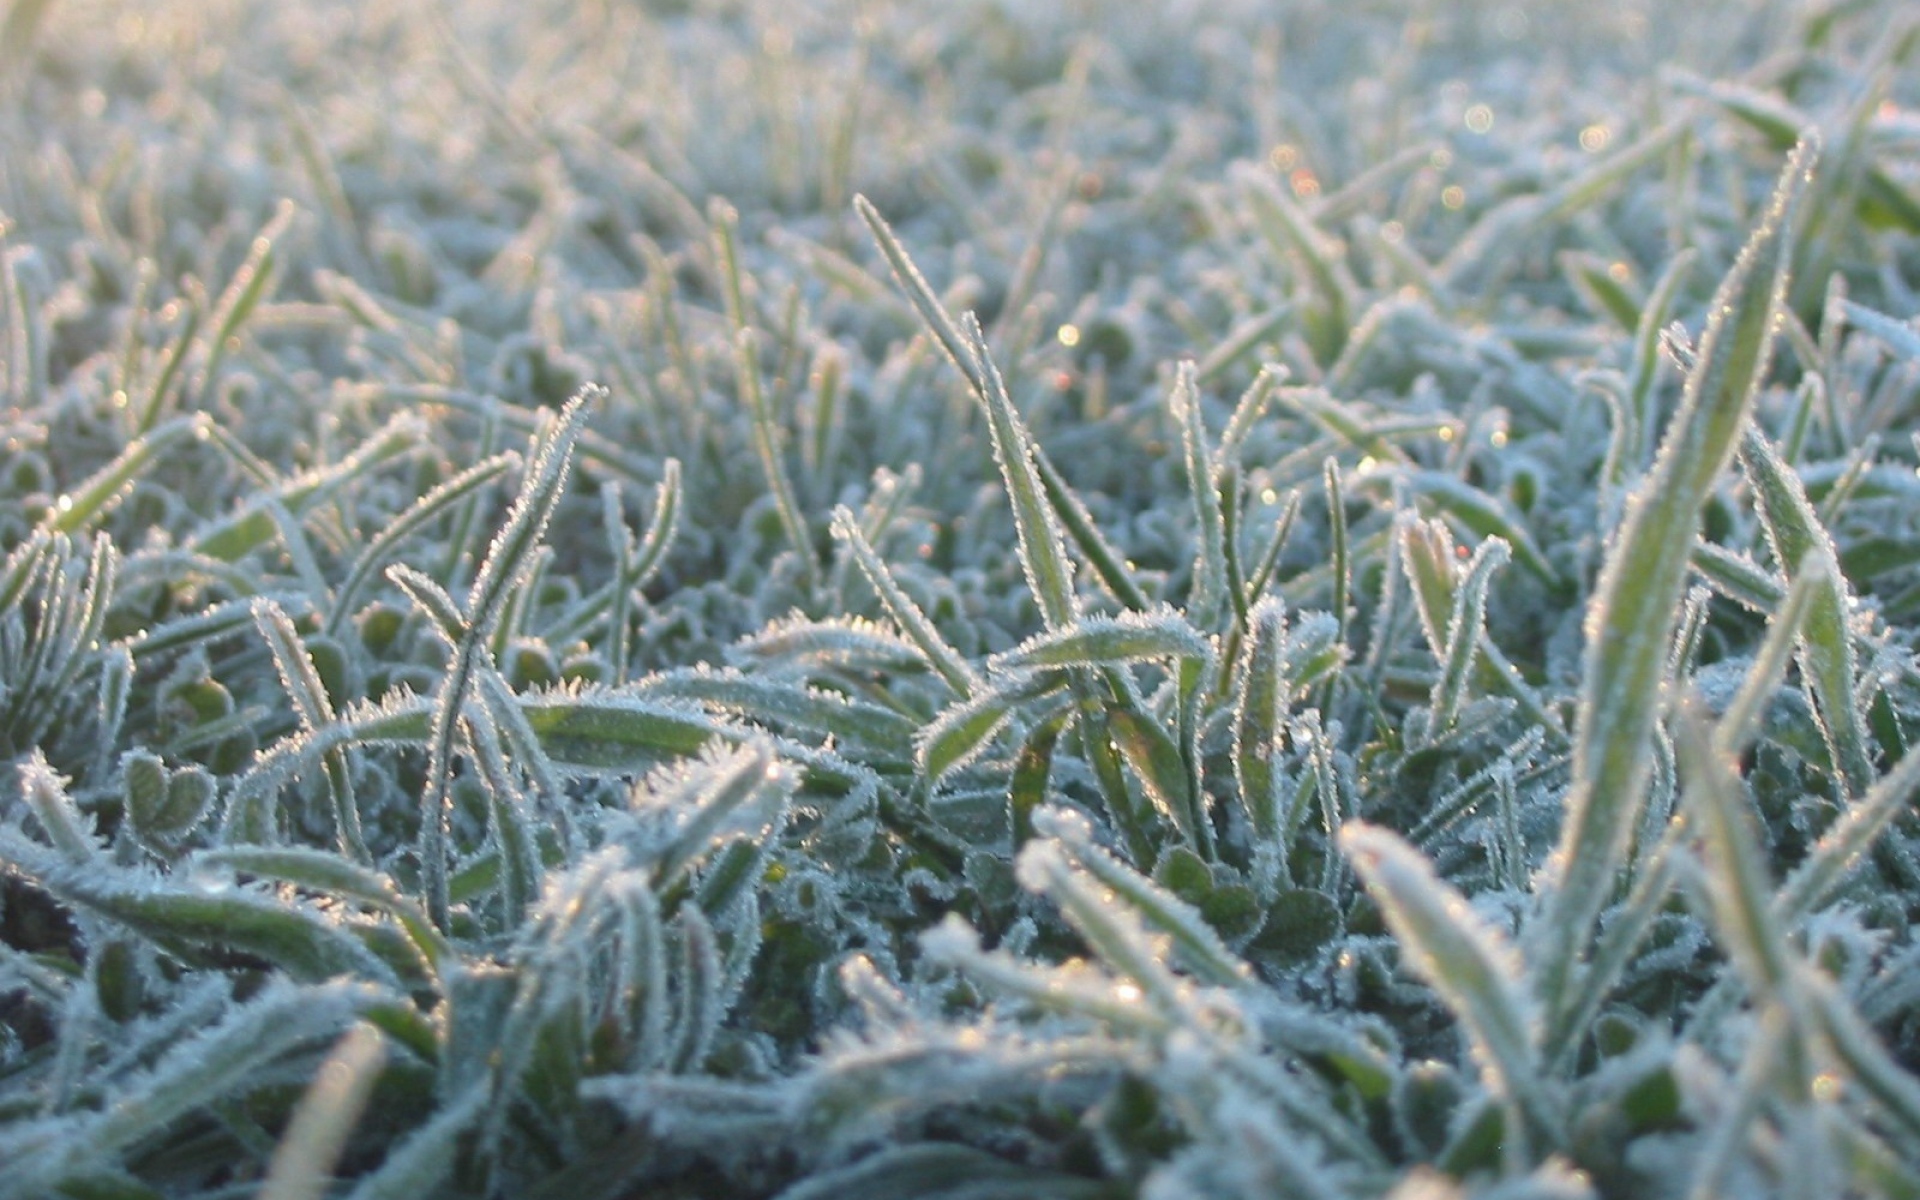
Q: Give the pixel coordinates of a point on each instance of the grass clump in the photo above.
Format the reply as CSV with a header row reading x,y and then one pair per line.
x,y
958,600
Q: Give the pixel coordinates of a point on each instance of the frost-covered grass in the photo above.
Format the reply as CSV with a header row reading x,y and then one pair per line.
x,y
959,599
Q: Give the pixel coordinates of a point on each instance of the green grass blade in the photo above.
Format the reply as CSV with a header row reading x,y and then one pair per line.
x,y
1826,657
1466,630
1634,607
767,434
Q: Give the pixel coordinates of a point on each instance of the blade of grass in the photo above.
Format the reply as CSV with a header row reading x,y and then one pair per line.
x,y
1636,600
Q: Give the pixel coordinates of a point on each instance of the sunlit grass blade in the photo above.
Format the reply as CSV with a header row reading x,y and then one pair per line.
x,y
244,292
1740,723
1042,552
1636,600
1466,960
1110,568
1843,848
1483,515
308,1151
1260,710
963,731
106,487
1736,881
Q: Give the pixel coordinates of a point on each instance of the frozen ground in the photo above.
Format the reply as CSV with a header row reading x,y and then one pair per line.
x,y
959,599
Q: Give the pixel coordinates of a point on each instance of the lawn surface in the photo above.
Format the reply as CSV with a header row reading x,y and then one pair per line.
x,y
959,599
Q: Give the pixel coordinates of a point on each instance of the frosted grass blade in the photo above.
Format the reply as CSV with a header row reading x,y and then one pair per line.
x,y
1209,591
1259,715
767,435
1110,567
1483,515
1036,525
1738,577
1466,629
319,871
249,285
1042,554
900,607
105,488
1736,880
1196,943
192,923
46,795
1843,848
1900,337
418,515
310,702
1826,646
1467,962
1108,641
1636,600
1741,721
199,1072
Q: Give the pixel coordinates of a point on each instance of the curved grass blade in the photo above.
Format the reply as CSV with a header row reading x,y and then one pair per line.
x,y
319,871
1210,581
1108,641
195,924
1637,597
1467,962
418,515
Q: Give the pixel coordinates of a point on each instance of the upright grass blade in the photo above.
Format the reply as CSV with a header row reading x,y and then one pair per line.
x,y
1826,646
504,571
767,434
315,710
1631,617
1260,710
1210,580
1466,630
1042,554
